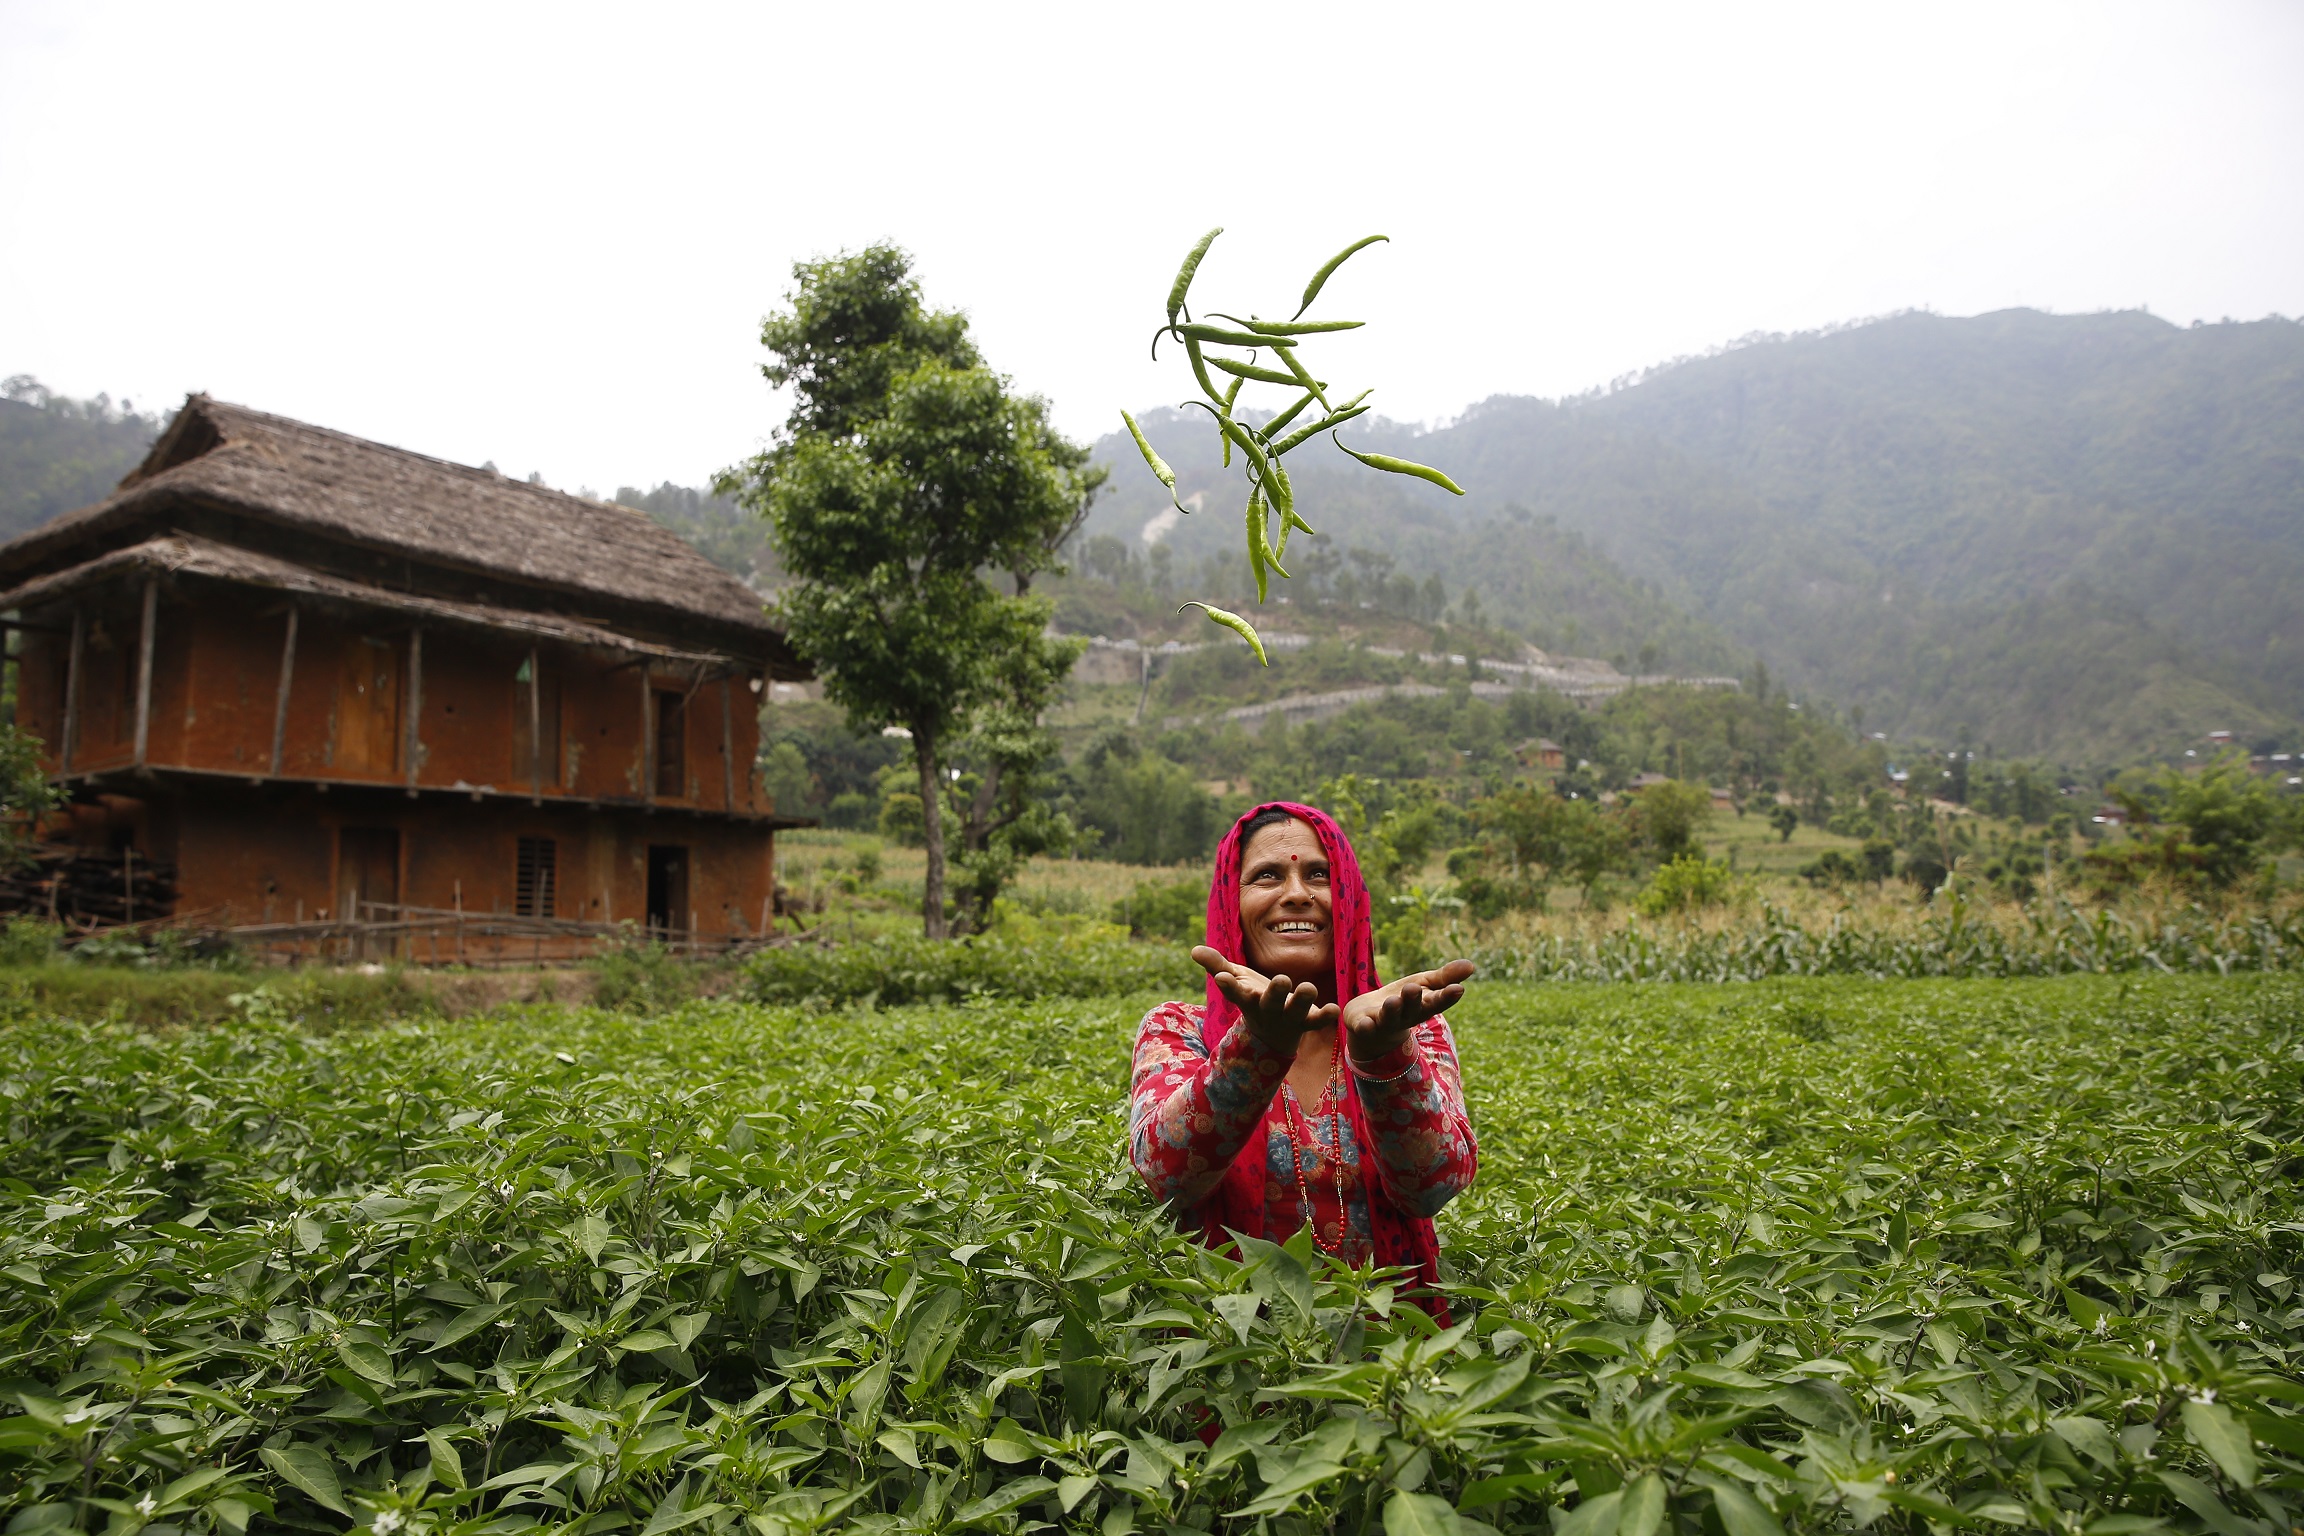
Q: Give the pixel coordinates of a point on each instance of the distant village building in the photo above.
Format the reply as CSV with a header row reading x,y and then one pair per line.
x,y
1542,752
328,678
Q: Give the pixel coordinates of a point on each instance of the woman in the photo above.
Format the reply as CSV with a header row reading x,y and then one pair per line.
x,y
1304,1091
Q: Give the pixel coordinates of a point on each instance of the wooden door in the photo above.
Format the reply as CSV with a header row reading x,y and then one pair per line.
x,y
368,709
668,889
368,871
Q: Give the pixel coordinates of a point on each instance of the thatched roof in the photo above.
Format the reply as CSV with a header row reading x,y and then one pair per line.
x,y
186,555
392,502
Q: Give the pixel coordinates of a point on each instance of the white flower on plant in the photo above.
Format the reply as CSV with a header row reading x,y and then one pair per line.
x,y
147,1506
2203,1395
167,1165
79,1415
386,1522
564,1058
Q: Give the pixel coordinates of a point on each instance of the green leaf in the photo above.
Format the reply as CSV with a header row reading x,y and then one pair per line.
x,y
366,1360
1071,1490
1740,1513
2088,1437
469,1321
2201,1499
1593,1516
447,1464
900,1444
2223,1439
1003,1499
1418,1514
1008,1443
1643,1508
307,1468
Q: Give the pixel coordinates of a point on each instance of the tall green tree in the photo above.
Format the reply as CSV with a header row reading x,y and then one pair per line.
x,y
906,475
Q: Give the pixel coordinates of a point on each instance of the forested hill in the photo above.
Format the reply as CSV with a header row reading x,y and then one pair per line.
x,y
57,453
2078,536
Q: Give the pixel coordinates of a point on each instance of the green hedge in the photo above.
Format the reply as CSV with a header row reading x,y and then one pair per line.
x,y
896,971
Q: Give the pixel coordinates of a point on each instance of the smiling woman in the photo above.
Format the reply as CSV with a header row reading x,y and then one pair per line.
x,y
1303,1092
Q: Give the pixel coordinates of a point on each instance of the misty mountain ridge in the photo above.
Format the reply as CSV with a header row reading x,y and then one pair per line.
x,y
2074,536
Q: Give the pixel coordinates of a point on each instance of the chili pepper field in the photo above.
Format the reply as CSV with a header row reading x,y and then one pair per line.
x,y
1788,1256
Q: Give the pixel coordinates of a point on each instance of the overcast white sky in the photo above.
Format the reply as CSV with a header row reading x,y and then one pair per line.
x,y
544,235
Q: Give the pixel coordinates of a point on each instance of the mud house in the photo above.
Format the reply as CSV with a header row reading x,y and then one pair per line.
x,y
321,676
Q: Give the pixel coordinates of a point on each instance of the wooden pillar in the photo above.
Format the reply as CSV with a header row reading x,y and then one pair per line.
x,y
144,668
727,746
647,740
74,665
535,730
414,731
280,702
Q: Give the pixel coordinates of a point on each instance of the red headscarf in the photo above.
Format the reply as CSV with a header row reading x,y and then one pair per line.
x,y
1401,1238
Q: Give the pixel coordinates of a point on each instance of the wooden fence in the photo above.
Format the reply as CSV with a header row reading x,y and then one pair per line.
x,y
384,931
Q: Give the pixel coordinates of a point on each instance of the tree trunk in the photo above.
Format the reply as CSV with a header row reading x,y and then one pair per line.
x,y
932,819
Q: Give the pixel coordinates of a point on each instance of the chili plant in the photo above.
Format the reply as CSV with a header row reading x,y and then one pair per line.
x,y
1794,1256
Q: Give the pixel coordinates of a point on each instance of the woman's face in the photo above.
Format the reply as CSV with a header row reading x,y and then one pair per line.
x,y
1284,906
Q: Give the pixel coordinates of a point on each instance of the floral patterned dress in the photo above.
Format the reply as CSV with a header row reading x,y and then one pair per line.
x,y
1192,1110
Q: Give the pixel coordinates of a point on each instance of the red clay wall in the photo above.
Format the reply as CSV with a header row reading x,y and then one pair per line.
x,y
274,855
267,851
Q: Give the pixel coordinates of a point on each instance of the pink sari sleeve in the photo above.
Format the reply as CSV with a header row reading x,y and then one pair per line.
x,y
1422,1147
1192,1108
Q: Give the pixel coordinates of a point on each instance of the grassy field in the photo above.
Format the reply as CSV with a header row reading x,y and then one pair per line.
x,y
1792,1256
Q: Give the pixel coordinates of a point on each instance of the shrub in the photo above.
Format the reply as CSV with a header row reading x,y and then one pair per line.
x,y
902,821
1175,911
910,969
1688,882
852,811
29,940
641,976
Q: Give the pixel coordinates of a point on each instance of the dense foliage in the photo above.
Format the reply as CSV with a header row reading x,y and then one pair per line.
x,y
905,472
1953,937
1788,1257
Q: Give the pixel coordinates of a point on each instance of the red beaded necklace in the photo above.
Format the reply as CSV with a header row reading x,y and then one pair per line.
x,y
1332,1100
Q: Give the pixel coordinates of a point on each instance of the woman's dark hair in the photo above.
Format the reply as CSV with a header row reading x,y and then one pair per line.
x,y
1258,823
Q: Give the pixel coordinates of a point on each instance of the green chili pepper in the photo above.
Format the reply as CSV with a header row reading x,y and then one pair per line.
x,y
1305,379
1217,336
1326,423
1385,461
1183,283
1259,462
1293,327
1236,624
1200,372
1280,422
1319,278
1289,521
1159,465
1260,556
1251,371
1225,438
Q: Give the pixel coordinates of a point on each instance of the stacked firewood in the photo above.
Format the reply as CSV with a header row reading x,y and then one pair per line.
x,y
84,888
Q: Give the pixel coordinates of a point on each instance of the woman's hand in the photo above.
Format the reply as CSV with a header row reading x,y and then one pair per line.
x,y
1375,1023
1277,1010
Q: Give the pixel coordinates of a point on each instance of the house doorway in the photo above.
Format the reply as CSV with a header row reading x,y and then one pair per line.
x,y
368,874
668,890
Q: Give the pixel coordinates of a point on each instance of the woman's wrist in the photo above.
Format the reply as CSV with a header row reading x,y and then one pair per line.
x,y
1388,1062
